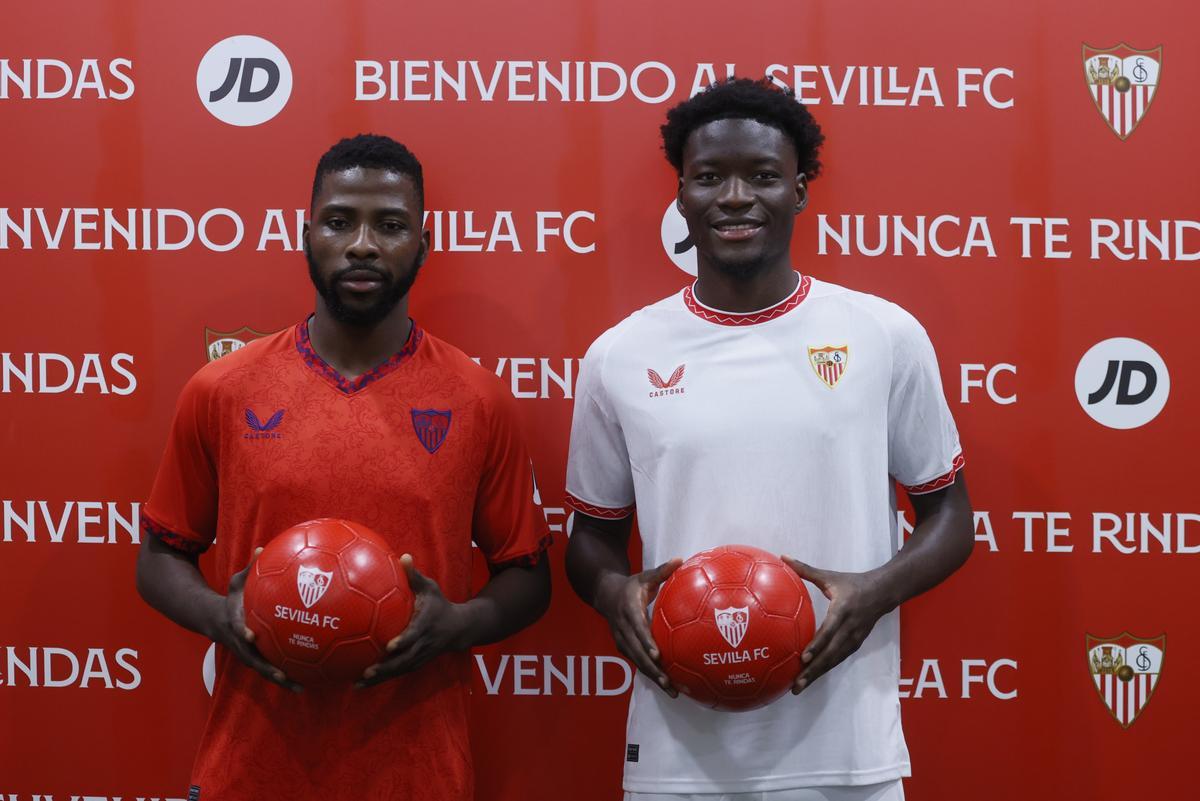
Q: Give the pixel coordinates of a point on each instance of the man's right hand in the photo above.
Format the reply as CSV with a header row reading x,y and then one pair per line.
x,y
229,629
623,601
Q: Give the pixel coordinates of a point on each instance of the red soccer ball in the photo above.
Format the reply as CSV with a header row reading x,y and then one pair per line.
x,y
730,624
323,600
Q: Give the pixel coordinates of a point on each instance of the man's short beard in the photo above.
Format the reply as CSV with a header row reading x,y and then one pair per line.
x,y
393,292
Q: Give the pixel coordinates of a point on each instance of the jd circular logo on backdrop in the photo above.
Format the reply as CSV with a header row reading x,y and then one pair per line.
x,y
1122,383
676,239
244,80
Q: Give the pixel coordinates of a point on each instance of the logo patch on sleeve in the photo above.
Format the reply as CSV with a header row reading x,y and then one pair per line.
x,y
194,793
631,752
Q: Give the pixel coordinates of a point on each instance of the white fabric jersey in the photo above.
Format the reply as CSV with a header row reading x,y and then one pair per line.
x,y
782,429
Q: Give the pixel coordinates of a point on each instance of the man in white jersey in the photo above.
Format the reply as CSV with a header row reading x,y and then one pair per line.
x,y
764,407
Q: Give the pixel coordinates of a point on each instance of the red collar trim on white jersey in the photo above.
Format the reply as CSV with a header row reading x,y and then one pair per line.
x,y
747,318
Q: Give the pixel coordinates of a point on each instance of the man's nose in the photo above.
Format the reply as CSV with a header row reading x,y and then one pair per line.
x,y
363,245
735,193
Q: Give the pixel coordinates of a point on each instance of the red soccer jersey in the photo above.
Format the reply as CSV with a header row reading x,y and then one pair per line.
x,y
271,436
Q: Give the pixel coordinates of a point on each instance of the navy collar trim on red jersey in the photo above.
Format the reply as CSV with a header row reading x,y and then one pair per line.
x,y
321,367
747,318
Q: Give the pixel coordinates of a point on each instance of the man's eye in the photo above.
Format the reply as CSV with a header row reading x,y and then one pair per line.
x,y
337,224
393,227
767,176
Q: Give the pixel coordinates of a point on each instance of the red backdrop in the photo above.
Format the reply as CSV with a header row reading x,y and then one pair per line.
x,y
975,114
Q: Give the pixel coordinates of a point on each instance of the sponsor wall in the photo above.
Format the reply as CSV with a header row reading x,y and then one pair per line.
x,y
1020,177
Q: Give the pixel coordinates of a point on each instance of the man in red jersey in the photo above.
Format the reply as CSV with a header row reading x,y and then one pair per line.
x,y
371,419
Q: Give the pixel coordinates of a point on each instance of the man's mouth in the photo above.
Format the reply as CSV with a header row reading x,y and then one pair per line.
x,y
360,280
737,230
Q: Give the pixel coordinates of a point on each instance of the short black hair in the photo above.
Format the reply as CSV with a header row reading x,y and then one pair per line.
x,y
746,99
373,152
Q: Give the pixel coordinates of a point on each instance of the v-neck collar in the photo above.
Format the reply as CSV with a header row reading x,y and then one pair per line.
x,y
322,368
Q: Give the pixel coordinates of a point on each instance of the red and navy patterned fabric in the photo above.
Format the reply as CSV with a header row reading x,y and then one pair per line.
x,y
347,449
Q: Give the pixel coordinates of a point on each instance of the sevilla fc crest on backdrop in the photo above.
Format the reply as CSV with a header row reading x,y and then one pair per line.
x,y
1123,82
223,343
1125,670
829,362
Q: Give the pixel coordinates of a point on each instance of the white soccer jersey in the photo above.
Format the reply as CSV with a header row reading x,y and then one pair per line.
x,y
782,429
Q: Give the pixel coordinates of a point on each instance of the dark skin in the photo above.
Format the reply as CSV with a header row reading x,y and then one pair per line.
x,y
365,234
739,191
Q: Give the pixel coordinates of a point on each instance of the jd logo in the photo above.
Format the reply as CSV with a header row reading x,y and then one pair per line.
x,y
1126,370
245,93
1122,383
244,80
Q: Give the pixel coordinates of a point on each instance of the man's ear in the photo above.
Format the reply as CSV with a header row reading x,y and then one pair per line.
x,y
801,192
424,252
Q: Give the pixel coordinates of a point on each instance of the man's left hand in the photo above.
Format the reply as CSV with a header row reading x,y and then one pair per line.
x,y
436,626
856,602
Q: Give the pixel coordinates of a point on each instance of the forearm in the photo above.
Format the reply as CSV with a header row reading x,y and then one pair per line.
x,y
171,583
512,599
597,557
942,539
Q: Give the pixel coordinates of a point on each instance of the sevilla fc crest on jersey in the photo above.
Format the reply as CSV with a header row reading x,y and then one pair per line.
x,y
732,623
1125,670
829,362
431,426
312,584
223,343
1123,82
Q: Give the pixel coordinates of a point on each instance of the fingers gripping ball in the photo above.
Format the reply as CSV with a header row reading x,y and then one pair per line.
x,y
731,624
324,598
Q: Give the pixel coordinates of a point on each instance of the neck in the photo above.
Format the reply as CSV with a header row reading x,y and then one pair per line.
x,y
759,290
353,349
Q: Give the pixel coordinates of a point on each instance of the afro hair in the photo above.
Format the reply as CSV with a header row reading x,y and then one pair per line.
x,y
746,99
372,152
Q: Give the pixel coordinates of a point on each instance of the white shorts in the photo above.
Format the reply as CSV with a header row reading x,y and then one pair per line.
x,y
887,791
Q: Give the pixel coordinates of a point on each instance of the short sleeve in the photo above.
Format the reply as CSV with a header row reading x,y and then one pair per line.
x,y
924,453
182,509
599,476
509,525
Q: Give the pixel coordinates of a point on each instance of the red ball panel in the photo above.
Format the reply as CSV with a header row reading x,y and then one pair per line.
x,y
348,659
369,569
364,533
332,535
777,589
689,588
277,556
333,598
741,650
727,567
